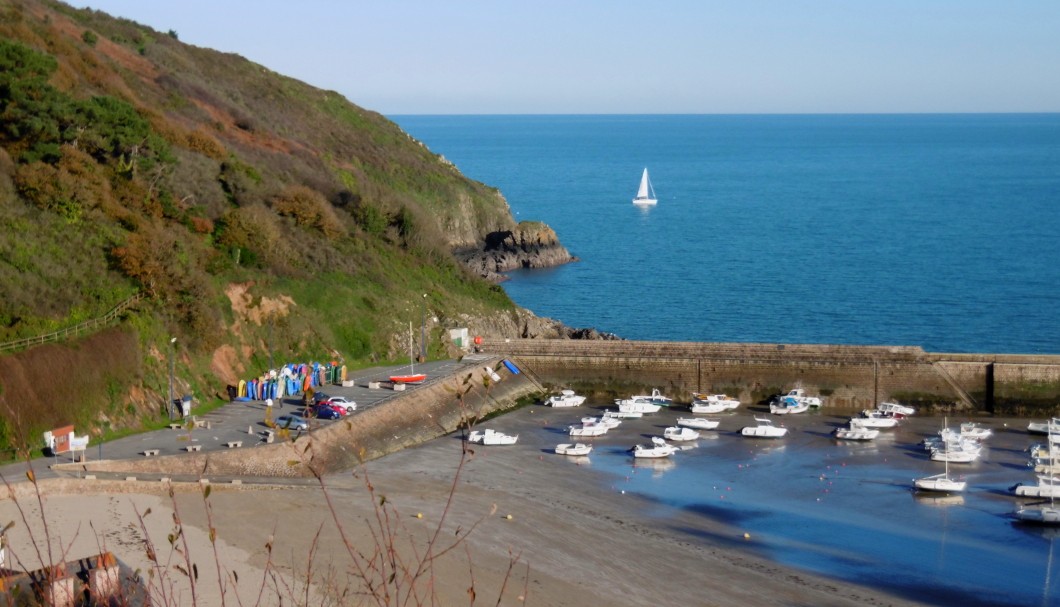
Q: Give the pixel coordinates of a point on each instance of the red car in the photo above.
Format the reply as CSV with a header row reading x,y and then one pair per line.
x,y
337,407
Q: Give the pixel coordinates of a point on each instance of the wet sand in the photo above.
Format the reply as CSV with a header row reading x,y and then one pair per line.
x,y
574,538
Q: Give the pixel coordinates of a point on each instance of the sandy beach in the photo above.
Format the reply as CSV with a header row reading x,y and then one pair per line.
x,y
569,540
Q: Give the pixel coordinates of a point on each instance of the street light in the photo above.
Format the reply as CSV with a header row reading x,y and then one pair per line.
x,y
423,331
169,406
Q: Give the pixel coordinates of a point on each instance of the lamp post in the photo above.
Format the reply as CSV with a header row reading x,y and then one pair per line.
x,y
423,331
169,405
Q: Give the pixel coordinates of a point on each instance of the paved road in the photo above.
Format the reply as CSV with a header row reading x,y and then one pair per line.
x,y
245,421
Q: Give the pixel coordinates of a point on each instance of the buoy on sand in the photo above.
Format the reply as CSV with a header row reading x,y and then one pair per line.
x,y
746,536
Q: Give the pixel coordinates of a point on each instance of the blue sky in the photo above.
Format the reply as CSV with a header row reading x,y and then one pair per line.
x,y
570,57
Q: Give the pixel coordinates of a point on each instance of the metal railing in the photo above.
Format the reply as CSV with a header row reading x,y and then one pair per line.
x,y
87,326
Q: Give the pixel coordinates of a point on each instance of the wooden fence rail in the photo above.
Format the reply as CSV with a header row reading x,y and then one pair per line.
x,y
87,326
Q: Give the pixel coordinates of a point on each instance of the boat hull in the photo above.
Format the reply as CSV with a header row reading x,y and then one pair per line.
x,y
417,378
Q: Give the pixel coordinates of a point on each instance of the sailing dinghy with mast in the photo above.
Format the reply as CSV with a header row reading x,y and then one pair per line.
x,y
411,377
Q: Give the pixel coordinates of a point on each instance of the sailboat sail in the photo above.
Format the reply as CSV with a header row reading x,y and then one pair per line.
x,y
646,193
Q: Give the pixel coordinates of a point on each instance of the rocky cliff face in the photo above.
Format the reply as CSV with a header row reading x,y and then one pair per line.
x,y
530,244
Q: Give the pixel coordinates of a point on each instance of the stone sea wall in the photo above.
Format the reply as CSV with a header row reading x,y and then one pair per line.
x,y
850,377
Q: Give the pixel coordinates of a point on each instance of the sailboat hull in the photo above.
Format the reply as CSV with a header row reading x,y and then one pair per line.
x,y
409,379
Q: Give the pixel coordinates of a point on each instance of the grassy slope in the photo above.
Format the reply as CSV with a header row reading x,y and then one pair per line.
x,y
139,163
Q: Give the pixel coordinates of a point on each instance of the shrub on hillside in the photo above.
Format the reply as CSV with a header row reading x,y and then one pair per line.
x,y
309,208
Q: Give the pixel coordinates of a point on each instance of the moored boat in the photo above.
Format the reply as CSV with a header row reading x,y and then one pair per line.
x,y
491,437
588,430
680,433
699,423
566,398
763,429
574,449
856,432
659,448
726,401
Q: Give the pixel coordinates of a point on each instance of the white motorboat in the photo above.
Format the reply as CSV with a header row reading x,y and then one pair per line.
x,y
610,422
566,398
764,429
975,431
702,406
1042,515
588,430
895,410
788,405
856,432
645,193
957,456
725,400
680,433
1051,426
1048,486
574,449
699,423
658,448
642,407
491,437
609,414
656,398
800,395
871,418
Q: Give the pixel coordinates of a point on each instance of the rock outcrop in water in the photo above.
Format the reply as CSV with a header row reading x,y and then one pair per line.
x,y
530,245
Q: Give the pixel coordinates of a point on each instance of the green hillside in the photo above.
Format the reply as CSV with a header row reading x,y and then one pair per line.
x,y
254,213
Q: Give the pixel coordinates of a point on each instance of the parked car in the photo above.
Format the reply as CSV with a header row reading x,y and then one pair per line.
x,y
319,397
347,405
322,411
292,422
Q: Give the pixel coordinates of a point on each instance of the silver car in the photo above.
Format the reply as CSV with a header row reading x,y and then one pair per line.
x,y
291,422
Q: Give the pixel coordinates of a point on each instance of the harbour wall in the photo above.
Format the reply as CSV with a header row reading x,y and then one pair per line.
x,y
849,377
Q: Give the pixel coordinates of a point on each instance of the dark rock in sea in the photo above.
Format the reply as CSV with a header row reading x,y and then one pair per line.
x,y
530,245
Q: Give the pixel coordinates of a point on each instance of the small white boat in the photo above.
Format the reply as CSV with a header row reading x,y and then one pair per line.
x,y
656,398
645,193
588,430
800,395
566,398
610,422
680,433
628,406
871,418
1042,515
699,423
764,429
491,437
658,448
856,432
788,405
609,414
574,449
1048,486
975,431
1052,425
941,483
895,410
702,406
725,400
957,456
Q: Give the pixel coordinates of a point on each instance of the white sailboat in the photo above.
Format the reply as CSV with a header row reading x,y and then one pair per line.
x,y
646,193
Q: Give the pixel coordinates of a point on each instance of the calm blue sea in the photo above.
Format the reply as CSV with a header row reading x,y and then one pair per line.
x,y
941,231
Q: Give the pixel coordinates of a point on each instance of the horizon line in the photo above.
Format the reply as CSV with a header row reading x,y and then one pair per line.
x,y
948,113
